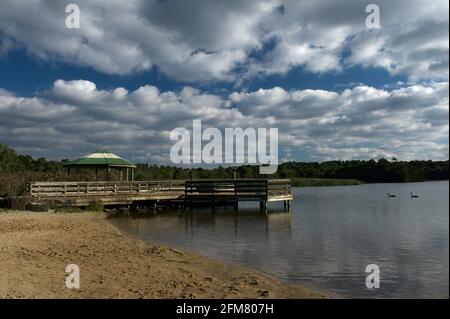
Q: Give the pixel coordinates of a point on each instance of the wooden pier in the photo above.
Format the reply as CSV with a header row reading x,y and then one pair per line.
x,y
184,193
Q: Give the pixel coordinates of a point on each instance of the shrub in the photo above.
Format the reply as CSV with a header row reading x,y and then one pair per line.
x,y
16,183
95,206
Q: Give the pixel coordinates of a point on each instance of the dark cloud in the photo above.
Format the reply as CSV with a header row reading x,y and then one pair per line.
x,y
205,41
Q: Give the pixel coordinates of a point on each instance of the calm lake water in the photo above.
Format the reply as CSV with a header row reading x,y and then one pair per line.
x,y
327,239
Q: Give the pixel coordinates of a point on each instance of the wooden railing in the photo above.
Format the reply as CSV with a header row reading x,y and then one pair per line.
x,y
279,187
83,189
239,188
226,188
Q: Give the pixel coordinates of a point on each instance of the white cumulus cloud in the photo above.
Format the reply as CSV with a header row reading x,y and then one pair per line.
x,y
75,117
230,40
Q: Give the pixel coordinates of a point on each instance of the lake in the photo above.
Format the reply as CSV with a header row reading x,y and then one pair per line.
x,y
328,238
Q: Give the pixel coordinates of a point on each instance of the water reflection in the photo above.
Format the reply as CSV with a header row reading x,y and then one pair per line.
x,y
327,239
248,222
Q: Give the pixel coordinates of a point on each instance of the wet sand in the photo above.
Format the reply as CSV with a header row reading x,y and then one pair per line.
x,y
35,249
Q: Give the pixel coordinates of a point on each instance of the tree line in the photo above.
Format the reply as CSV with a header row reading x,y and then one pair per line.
x,y
17,170
368,171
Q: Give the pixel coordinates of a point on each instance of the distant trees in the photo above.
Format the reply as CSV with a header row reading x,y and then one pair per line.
x,y
11,161
370,171
17,170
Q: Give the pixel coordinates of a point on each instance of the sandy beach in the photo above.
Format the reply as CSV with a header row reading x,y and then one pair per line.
x,y
35,249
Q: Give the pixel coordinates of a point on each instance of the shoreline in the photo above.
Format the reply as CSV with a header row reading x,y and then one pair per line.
x,y
35,249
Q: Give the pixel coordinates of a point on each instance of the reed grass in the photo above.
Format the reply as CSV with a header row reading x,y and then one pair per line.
x,y
313,182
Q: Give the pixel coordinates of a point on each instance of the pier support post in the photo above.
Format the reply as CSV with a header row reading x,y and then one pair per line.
x,y
132,208
263,206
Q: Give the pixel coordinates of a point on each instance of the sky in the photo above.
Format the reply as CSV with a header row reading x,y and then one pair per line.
x,y
135,70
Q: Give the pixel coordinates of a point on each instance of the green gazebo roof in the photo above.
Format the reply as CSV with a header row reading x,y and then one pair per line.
x,y
102,157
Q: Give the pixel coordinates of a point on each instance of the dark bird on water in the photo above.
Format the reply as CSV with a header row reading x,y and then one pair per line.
x,y
413,195
390,195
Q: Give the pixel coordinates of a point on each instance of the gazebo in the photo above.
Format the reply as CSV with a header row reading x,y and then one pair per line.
x,y
103,163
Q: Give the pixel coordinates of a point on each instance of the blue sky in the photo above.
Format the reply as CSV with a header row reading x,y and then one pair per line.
x,y
133,72
40,75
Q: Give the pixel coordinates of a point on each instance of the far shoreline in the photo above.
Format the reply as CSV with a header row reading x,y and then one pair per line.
x,y
343,182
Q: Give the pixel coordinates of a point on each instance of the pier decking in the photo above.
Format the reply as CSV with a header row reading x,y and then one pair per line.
x,y
186,193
